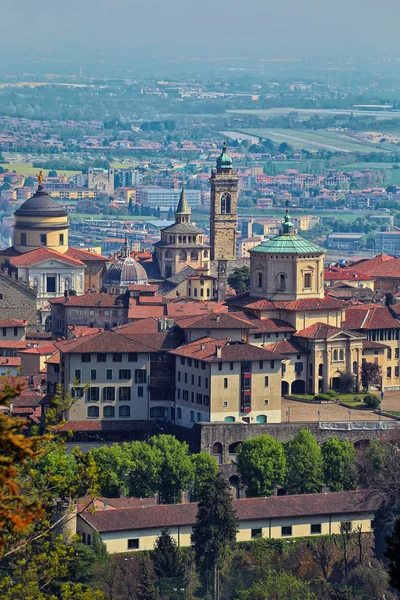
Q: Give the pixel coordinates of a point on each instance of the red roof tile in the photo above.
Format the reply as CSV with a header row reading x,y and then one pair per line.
x,y
90,299
10,361
206,349
147,325
54,359
186,307
287,347
13,323
381,265
102,503
85,255
142,287
370,317
104,425
214,321
369,345
247,509
40,255
306,304
144,312
106,341
28,398
346,275
41,350
320,331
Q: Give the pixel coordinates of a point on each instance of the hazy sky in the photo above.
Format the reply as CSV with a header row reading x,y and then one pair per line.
x,y
221,28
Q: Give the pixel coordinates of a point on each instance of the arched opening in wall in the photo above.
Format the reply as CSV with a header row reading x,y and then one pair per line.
x,y
335,355
355,368
205,254
261,419
180,239
361,444
217,452
281,282
299,387
335,382
235,486
225,203
320,370
285,388
195,292
168,255
184,239
208,292
182,256
194,255
47,323
341,355
232,449
259,280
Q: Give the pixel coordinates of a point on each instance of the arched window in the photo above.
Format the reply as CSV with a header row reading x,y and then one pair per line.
x,y
180,239
202,292
124,411
261,419
282,282
168,254
189,239
195,292
259,280
179,413
108,411
194,239
170,239
341,354
225,203
199,417
229,419
355,368
205,254
93,412
320,370
182,256
184,239
335,355
194,255
208,292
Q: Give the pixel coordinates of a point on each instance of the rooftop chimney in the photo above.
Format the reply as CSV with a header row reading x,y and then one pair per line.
x,y
218,351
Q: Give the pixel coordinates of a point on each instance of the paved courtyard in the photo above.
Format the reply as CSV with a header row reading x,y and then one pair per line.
x,y
300,411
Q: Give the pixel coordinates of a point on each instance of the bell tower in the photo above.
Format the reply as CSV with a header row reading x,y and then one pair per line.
x,y
223,208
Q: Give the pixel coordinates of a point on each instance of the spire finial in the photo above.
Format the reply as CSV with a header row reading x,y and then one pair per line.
x,y
40,178
287,225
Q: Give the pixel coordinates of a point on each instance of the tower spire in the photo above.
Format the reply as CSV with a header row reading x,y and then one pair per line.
x,y
183,207
287,224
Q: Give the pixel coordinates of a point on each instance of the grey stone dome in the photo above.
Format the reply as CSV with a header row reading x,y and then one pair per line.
x,y
125,271
41,204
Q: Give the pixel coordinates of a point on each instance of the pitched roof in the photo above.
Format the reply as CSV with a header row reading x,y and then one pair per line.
x,y
106,341
27,398
90,299
13,323
206,349
345,275
253,303
85,255
147,325
321,331
187,307
270,326
381,265
370,317
143,287
10,361
287,347
103,503
40,350
40,255
246,509
54,359
214,321
369,345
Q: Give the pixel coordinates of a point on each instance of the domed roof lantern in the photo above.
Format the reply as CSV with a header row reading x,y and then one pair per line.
x,y
287,228
41,204
224,161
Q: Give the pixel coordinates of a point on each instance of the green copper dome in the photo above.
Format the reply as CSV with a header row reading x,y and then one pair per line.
x,y
287,243
224,161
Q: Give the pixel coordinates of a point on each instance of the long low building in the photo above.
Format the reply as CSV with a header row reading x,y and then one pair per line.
x,y
274,517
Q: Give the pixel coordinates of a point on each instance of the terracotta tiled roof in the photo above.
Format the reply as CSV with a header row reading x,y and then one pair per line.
x,y
191,307
370,317
54,359
381,265
148,325
41,350
10,361
40,255
13,323
90,299
28,398
106,341
80,330
270,326
206,349
214,321
144,312
287,347
321,331
346,275
154,342
85,255
102,503
142,287
247,509
306,304
146,300
14,344
369,345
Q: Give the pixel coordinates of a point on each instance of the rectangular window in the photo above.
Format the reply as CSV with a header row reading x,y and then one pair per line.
x,y
108,394
266,381
389,372
316,528
199,398
182,360
109,374
50,284
397,352
206,400
298,367
23,239
206,383
179,375
89,539
189,362
77,376
117,357
286,531
389,353
101,357
272,364
186,377
140,375
185,395
124,373
124,394
83,534
192,396
219,366
199,381
225,382
257,336
231,366
93,375
15,330
256,533
192,379
179,393
61,239
261,364
93,393
132,357
85,358
307,280
4,331
43,239
396,371
140,391
133,544
196,364
77,392
283,368
203,366
91,312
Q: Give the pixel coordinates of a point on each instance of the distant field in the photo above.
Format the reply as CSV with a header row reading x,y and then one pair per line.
x,y
120,165
28,169
306,113
348,217
81,216
313,140
394,173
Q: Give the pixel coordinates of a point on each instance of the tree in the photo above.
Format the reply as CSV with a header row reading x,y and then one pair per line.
x,y
371,374
322,551
372,401
393,554
130,206
339,465
205,467
52,173
146,589
346,382
29,182
165,556
111,463
214,532
262,464
344,540
279,585
175,469
143,469
366,583
304,464
239,279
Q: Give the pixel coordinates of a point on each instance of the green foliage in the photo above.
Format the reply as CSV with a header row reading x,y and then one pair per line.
x,y
278,585
372,401
239,279
205,467
393,554
146,590
332,393
366,583
339,465
165,556
371,374
322,397
262,464
304,464
215,529
176,468
346,382
144,466
111,463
